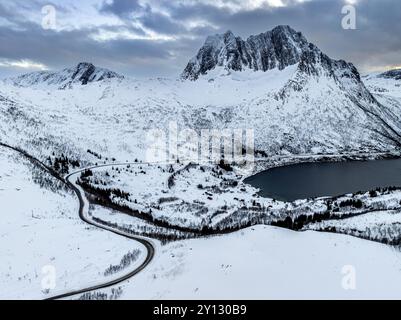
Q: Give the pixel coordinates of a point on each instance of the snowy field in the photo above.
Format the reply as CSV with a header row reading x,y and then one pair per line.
x,y
270,263
40,232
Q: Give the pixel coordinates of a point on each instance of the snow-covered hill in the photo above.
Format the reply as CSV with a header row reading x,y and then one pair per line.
x,y
270,263
82,74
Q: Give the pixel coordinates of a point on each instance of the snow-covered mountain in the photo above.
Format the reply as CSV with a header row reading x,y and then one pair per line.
x,y
322,102
82,74
278,48
296,99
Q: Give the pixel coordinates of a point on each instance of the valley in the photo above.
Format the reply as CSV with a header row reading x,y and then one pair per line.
x,y
177,228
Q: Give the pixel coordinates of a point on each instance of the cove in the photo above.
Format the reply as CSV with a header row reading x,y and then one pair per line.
x,y
311,180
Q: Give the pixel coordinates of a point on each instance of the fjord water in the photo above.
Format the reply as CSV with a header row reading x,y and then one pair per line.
x,y
310,180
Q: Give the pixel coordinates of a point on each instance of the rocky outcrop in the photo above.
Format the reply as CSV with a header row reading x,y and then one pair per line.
x,y
278,48
82,74
392,74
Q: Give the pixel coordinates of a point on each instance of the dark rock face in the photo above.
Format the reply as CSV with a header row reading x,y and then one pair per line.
x,y
82,74
392,74
86,72
278,48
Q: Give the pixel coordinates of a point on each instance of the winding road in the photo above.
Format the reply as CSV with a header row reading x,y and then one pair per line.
x,y
84,215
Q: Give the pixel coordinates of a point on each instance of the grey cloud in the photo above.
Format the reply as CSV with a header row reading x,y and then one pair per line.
x,y
121,8
374,44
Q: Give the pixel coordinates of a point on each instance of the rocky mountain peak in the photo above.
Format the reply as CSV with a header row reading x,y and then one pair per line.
x,y
82,65
277,48
81,74
86,72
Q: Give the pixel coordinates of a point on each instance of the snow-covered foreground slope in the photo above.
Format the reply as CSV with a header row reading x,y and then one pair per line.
x,y
40,228
270,263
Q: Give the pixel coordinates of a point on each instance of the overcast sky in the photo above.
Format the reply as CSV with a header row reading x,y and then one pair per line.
x,y
157,37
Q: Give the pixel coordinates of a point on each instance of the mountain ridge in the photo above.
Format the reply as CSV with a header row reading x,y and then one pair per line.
x,y
278,48
391,74
81,74
333,86
314,105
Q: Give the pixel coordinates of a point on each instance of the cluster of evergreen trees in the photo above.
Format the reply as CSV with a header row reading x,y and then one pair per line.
x,y
125,262
225,166
62,164
115,294
95,154
164,235
298,222
94,296
351,203
389,234
103,193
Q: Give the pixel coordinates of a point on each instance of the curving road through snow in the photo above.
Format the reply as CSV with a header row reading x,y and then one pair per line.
x,y
84,215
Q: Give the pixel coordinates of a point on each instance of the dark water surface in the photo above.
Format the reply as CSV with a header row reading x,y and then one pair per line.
x,y
310,180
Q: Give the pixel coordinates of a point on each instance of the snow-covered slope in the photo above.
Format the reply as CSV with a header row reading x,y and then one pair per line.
x,y
387,83
271,263
40,228
82,74
296,99
323,104
386,88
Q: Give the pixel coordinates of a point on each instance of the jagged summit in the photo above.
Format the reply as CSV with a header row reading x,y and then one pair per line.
x,y
81,74
277,48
